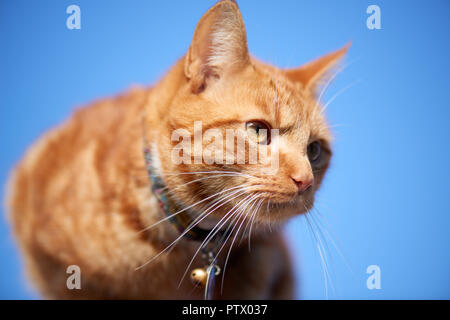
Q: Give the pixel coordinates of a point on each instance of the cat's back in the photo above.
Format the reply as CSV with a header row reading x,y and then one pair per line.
x,y
84,142
69,173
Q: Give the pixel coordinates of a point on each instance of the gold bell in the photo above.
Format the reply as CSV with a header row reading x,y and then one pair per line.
x,y
199,276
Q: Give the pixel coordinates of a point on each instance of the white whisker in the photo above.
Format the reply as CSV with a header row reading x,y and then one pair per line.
x,y
213,232
252,222
339,93
189,207
193,181
244,214
253,206
330,79
314,239
201,217
332,237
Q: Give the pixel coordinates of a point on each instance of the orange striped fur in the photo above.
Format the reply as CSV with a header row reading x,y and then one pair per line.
x,y
81,194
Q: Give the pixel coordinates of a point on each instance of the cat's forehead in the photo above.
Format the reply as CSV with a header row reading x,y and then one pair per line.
x,y
271,91
260,93
286,104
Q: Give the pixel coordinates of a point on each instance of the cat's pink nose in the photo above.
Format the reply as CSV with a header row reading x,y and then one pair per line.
x,y
303,183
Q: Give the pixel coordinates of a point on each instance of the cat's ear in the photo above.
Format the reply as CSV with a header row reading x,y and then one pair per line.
x,y
219,46
313,73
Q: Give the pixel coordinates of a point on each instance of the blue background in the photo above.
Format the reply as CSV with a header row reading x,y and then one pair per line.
x,y
386,196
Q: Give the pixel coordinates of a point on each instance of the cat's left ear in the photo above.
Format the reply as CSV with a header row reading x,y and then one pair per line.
x,y
311,74
219,46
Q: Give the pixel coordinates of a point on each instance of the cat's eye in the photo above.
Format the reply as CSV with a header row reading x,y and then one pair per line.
x,y
258,132
314,151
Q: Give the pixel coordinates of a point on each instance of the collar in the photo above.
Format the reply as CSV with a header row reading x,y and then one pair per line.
x,y
182,221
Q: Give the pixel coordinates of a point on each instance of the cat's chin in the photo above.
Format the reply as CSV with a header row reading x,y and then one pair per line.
x,y
270,213
282,211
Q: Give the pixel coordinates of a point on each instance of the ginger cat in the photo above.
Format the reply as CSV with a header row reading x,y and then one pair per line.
x,y
82,195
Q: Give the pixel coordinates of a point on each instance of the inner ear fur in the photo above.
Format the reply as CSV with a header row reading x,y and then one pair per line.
x,y
219,45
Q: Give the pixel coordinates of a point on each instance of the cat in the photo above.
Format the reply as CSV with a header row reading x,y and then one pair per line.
x,y
84,194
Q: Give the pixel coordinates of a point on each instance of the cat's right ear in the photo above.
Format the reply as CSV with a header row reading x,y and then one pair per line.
x,y
219,46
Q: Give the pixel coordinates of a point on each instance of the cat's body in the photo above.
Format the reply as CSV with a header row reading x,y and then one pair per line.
x,y
96,226
82,194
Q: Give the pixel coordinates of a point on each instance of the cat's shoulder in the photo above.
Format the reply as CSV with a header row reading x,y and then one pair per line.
x,y
96,124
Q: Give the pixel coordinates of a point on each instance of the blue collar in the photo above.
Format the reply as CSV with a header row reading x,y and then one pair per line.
x,y
181,221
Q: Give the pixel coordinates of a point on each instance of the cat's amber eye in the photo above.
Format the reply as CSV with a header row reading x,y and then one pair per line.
x,y
258,132
314,151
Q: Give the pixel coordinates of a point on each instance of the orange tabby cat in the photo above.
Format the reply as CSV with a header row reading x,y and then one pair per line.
x,y
82,194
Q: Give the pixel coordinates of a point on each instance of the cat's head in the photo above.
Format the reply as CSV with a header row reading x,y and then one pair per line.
x,y
222,92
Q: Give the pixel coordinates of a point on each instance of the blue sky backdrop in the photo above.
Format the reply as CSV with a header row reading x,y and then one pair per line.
x,y
386,197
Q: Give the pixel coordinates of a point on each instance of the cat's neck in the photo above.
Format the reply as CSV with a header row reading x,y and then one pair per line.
x,y
160,98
